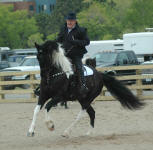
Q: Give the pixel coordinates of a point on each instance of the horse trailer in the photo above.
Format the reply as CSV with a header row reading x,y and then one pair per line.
x,y
104,45
141,43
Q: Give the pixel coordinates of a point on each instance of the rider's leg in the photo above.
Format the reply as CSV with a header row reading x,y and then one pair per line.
x,y
77,61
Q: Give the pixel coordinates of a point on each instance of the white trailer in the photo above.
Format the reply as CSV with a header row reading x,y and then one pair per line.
x,y
4,49
104,45
141,43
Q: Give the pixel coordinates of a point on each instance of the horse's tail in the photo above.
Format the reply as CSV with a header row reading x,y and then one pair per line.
x,y
121,93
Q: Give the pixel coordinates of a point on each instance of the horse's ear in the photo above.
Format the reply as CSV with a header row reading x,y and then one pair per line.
x,y
55,45
36,45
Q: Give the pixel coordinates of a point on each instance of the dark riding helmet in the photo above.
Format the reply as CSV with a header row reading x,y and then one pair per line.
x,y
71,16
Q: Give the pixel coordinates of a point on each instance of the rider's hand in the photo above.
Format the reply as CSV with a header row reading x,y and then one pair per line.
x,y
74,42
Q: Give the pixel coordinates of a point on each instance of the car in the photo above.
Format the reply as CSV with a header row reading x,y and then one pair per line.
x,y
147,72
29,63
15,60
3,65
117,58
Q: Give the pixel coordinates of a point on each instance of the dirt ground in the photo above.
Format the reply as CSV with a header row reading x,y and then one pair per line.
x,y
115,128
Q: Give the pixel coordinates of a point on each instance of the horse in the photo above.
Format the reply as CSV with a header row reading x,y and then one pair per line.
x,y
59,82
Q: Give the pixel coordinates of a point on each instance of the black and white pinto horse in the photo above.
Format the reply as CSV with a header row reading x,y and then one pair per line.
x,y
57,76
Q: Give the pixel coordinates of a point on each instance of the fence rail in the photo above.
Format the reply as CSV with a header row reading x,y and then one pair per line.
x,y
139,87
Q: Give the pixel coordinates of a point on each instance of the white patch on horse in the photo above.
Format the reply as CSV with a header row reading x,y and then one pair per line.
x,y
32,126
60,60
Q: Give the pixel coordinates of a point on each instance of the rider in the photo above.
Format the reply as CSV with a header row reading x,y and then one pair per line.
x,y
74,39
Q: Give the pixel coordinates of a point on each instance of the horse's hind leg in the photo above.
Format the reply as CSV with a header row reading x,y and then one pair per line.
x,y
85,108
91,114
69,129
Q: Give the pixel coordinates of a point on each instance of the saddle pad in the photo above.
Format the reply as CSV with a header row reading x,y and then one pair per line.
x,y
87,71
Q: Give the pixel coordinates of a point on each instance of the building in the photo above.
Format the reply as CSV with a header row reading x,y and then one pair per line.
x,y
46,6
33,6
21,4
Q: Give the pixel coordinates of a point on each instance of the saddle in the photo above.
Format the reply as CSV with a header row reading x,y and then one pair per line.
x,y
87,70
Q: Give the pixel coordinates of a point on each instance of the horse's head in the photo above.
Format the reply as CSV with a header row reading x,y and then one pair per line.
x,y
51,53
45,52
47,48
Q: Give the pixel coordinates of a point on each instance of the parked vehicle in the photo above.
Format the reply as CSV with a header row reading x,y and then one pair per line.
x,y
29,63
15,60
28,51
141,43
117,58
147,72
5,52
104,45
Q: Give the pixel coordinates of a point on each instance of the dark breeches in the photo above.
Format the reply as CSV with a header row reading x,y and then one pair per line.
x,y
77,61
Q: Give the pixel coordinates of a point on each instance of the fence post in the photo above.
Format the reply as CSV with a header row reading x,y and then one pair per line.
x,y
1,88
32,77
139,83
102,92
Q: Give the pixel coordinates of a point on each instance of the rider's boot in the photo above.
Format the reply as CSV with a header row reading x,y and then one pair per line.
x,y
83,88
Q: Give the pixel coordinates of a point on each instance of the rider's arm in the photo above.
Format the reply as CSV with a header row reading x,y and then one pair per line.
x,y
84,39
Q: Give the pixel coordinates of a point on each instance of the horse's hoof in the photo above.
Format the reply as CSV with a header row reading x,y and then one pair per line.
x,y
65,134
30,134
52,128
90,132
50,125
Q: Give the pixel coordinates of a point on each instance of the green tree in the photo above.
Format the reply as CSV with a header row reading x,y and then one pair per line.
x,y
52,36
100,22
43,22
37,37
139,15
15,27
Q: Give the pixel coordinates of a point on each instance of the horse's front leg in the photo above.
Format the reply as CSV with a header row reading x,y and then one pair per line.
x,y
81,114
49,105
32,126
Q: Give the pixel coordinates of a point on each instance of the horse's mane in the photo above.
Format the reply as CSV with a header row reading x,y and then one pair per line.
x,y
60,60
